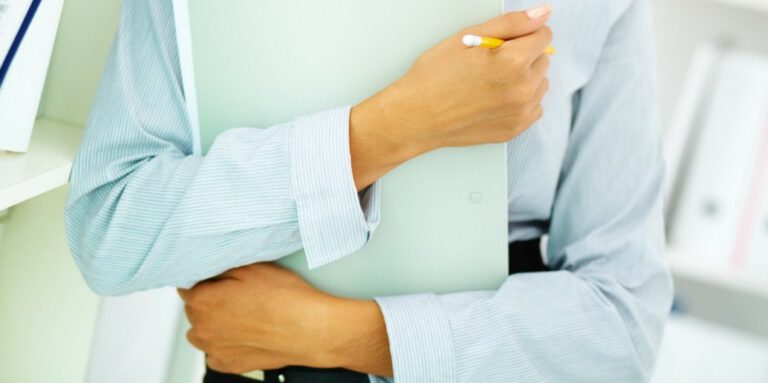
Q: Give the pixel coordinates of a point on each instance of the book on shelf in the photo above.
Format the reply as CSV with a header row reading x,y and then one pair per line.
x,y
27,34
15,17
721,212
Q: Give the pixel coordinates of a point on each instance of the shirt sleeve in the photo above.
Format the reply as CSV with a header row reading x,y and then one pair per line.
x,y
599,315
143,211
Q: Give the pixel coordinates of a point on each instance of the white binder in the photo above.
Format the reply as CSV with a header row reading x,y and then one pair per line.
x,y
12,14
23,85
681,133
709,220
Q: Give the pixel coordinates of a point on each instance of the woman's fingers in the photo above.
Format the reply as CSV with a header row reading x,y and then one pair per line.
x,y
529,48
513,25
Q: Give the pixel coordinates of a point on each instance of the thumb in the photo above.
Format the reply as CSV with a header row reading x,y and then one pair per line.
x,y
513,24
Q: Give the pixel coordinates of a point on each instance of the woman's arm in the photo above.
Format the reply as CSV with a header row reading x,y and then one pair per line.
x,y
144,212
601,316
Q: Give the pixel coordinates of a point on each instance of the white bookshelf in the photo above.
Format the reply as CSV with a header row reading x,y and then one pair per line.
x,y
685,266
43,168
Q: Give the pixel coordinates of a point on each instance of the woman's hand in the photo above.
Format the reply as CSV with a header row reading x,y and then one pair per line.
x,y
456,96
263,316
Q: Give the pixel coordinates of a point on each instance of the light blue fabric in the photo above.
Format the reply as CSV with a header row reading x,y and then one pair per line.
x,y
144,212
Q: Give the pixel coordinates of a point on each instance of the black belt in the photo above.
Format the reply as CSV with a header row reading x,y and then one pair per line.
x,y
524,257
292,374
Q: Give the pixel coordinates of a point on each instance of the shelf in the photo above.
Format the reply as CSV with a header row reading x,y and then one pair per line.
x,y
758,5
44,167
684,266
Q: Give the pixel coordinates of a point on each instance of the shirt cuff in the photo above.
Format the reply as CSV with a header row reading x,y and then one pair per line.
x,y
419,338
334,219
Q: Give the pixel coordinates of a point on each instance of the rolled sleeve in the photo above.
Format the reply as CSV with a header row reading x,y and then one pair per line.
x,y
334,219
419,338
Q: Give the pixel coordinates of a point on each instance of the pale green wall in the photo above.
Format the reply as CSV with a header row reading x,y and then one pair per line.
x,y
85,36
47,313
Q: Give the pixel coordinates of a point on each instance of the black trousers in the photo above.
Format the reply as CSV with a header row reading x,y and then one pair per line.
x,y
524,257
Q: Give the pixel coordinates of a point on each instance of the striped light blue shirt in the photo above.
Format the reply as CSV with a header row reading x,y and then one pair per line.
x,y
144,211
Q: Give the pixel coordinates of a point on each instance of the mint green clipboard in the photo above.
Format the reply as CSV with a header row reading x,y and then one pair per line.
x,y
262,62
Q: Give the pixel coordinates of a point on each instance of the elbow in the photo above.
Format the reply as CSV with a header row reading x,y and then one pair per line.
x,y
658,303
104,276
106,270
104,287
643,309
646,345
105,241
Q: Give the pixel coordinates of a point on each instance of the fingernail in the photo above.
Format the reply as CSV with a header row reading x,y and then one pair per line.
x,y
538,12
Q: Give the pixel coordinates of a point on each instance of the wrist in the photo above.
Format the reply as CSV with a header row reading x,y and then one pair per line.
x,y
358,338
380,138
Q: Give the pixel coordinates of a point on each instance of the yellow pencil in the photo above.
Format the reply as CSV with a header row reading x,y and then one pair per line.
x,y
491,43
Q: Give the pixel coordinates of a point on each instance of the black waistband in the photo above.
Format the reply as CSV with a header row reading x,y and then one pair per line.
x,y
525,257
292,375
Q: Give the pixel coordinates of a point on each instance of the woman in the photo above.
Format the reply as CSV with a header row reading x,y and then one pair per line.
x,y
144,212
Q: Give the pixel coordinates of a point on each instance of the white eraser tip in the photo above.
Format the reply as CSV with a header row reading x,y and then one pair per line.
x,y
472,40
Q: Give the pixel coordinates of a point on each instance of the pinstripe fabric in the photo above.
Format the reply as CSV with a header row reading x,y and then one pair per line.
x,y
144,212
321,179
